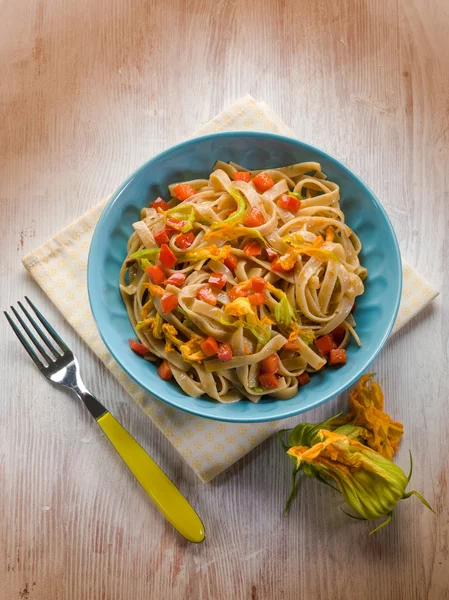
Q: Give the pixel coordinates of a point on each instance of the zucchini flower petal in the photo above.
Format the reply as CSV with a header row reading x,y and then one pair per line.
x,y
191,350
207,252
238,216
284,313
366,405
242,309
304,333
150,254
302,247
183,212
230,233
147,307
155,290
239,307
171,334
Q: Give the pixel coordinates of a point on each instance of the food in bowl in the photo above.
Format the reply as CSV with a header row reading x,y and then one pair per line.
x,y
243,284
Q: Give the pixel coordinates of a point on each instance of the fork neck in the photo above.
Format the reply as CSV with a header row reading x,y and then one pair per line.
x,y
95,407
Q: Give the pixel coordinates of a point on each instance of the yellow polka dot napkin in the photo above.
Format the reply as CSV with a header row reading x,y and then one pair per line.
x,y
208,446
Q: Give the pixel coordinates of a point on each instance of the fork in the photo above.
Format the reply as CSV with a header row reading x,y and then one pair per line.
x,y
58,364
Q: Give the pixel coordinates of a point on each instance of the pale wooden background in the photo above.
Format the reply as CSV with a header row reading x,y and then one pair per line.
x,y
90,90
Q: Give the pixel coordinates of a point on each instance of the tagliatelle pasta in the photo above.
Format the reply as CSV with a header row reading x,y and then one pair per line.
x,y
243,284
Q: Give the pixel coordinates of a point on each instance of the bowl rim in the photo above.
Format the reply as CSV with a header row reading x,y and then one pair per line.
x,y
285,414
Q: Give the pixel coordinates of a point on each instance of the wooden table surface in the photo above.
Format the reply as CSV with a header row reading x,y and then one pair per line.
x,y
90,90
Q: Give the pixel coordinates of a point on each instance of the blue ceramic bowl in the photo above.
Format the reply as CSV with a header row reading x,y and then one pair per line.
x,y
376,309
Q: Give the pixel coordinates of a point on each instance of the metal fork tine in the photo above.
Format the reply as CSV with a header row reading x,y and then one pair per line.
x,y
39,331
48,327
24,342
31,335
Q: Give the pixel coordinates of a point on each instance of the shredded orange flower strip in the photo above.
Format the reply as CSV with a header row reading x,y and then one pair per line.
x,y
191,350
211,251
146,308
288,260
155,290
305,334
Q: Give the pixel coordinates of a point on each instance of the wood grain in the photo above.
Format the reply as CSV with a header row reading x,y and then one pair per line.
x,y
90,90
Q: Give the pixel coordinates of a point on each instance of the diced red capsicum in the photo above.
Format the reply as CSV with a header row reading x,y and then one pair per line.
x,y
252,249
325,344
268,380
224,352
164,371
218,280
162,237
289,203
182,191
155,274
337,356
304,378
242,176
209,346
176,279
270,364
276,266
239,291
185,240
138,348
255,218
242,290
167,258
206,295
231,262
258,284
159,203
263,182
168,302
338,334
257,299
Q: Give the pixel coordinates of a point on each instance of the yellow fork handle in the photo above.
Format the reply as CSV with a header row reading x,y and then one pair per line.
x,y
154,481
